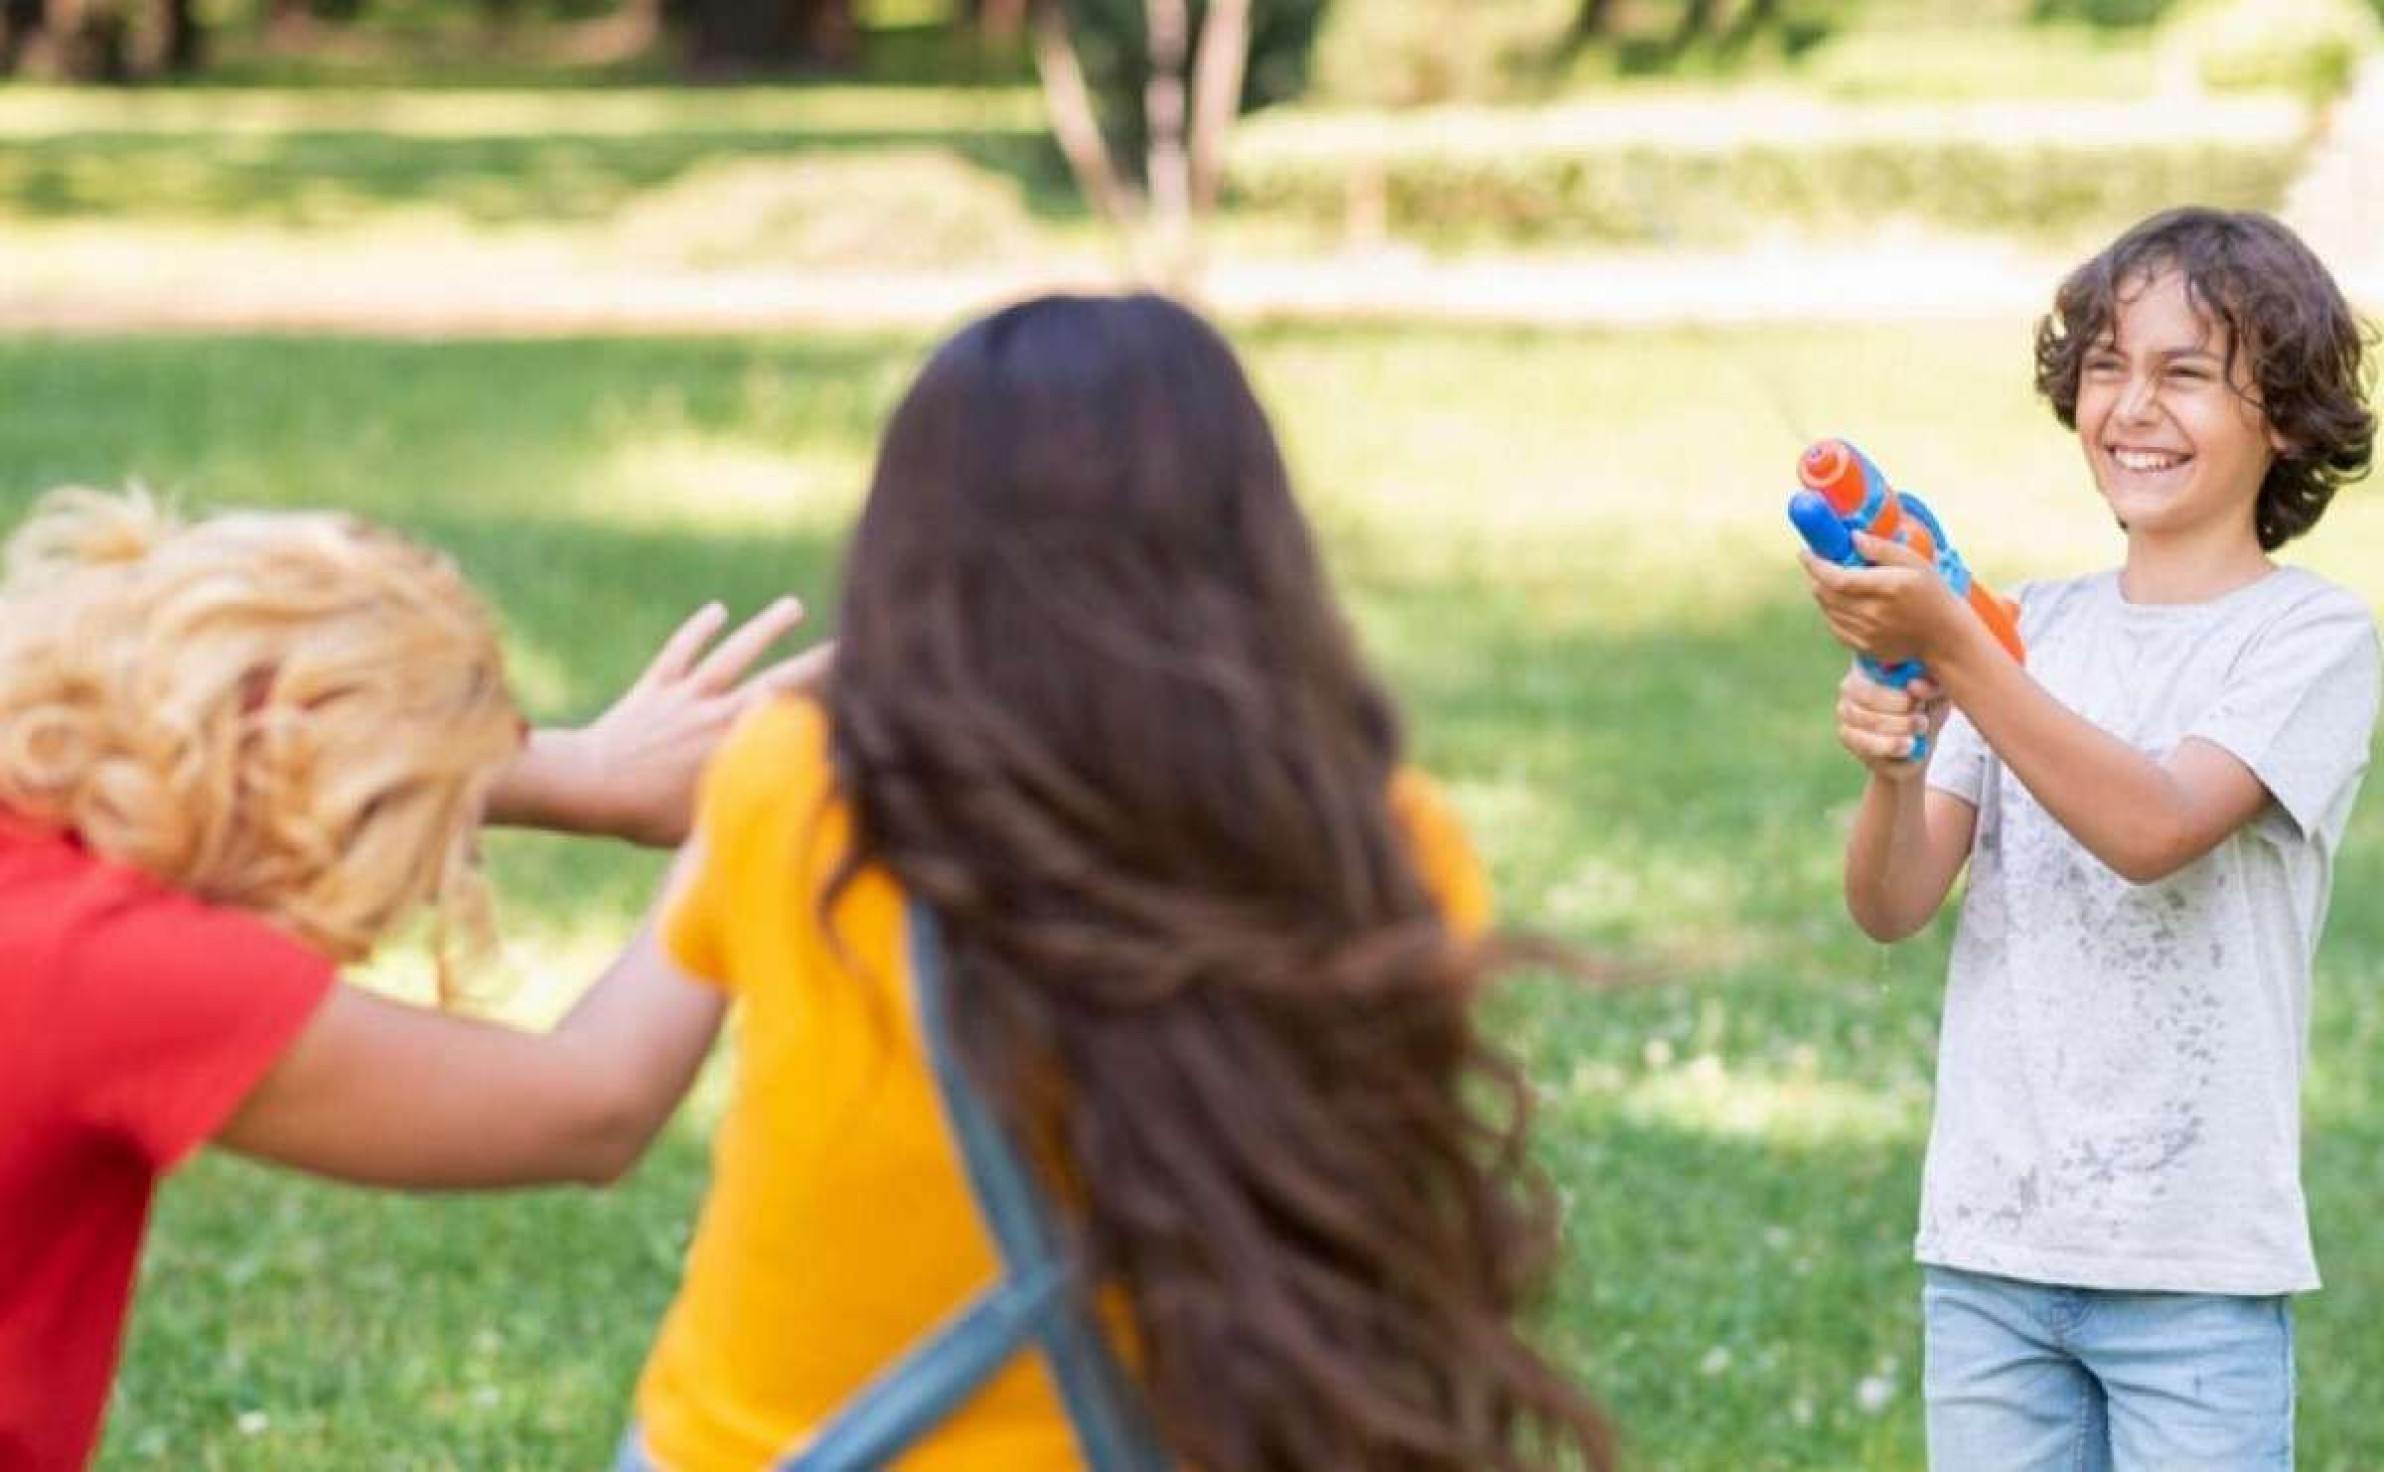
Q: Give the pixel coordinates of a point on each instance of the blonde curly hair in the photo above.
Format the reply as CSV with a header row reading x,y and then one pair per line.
x,y
294,714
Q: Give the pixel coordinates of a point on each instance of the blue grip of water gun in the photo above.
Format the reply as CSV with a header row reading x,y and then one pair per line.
x,y
1821,529
1830,540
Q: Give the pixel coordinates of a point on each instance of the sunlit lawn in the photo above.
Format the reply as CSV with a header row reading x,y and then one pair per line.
x,y
342,157
1566,551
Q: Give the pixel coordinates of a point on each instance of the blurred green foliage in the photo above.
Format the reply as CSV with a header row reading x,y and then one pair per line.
x,y
1581,188
1952,63
2107,14
1418,52
2309,47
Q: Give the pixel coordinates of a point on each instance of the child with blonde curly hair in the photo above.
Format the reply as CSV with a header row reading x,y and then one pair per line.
x,y
235,754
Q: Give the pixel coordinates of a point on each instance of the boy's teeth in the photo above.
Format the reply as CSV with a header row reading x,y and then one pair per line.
x,y
2145,459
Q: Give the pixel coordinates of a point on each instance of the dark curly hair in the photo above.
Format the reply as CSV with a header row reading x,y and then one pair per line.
x,y
1095,704
2284,316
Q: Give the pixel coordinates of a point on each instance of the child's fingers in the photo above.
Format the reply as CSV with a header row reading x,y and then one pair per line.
x,y
1862,689
1885,553
1881,723
727,663
1876,746
680,649
801,672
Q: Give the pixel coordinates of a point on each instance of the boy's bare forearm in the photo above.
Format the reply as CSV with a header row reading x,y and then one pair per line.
x,y
1890,889
2127,809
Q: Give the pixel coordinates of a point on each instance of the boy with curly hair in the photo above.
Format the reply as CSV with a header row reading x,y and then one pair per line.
x,y
2112,1216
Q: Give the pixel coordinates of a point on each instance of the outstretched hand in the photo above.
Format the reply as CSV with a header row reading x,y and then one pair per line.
x,y
631,773
1895,610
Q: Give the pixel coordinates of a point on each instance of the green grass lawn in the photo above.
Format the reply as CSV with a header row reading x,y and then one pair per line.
x,y
1567,553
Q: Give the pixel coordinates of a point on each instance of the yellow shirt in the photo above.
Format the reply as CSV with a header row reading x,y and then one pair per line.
x,y
840,1227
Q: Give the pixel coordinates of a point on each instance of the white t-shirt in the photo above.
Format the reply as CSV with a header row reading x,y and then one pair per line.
x,y
2119,1074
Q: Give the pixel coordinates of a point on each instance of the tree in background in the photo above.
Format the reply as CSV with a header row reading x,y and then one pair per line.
x,y
1143,95
739,37
136,40
99,40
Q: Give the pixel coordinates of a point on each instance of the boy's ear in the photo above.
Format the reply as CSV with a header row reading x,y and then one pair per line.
x,y
2284,448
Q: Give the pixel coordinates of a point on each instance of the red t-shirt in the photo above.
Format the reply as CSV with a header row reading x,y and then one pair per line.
x,y
133,1020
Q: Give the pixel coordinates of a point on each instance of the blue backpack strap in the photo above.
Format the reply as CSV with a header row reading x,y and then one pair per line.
x,y
1040,1298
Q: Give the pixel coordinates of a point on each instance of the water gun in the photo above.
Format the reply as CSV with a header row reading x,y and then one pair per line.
x,y
1845,493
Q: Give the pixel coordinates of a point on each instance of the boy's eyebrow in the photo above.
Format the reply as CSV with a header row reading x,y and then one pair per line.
x,y
2166,355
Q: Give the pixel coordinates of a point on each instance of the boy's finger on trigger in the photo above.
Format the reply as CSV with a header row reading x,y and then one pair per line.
x,y
1824,573
1883,551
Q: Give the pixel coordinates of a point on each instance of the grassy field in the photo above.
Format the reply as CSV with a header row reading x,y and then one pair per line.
x,y
1566,551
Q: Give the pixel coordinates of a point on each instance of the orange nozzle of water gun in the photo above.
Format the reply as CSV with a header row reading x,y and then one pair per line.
x,y
1832,470
2001,618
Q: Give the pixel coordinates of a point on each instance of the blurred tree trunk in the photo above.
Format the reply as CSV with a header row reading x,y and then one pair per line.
x,y
180,42
737,37
633,30
1223,63
289,24
1076,120
19,20
1752,20
99,40
1189,102
1594,20
78,41
1168,165
1696,18
1002,19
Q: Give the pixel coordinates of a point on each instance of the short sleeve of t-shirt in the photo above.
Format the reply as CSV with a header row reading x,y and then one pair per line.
x,y
171,1012
777,760
776,755
1959,764
2301,706
1444,857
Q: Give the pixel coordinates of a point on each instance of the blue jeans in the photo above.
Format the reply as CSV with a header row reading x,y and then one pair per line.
x,y
2029,1377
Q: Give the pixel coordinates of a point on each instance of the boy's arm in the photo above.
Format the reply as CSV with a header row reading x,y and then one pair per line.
x,y
381,1093
1909,840
2145,819
631,772
1908,845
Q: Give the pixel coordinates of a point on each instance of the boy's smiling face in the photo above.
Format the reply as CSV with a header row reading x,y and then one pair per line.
x,y
2176,445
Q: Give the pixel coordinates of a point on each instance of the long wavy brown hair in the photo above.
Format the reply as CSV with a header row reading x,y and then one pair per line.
x,y
1095,705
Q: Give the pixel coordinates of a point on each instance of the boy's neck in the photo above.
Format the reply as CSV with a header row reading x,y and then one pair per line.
x,y
2191,569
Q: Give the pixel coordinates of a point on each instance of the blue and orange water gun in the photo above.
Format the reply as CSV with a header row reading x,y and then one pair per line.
x,y
1845,493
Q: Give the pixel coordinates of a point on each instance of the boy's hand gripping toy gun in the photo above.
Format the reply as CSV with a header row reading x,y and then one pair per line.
x,y
1845,493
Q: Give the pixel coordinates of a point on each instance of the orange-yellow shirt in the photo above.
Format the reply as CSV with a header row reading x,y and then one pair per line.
x,y
840,1227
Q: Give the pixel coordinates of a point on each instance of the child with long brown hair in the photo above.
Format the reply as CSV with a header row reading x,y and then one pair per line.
x,y
1208,945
